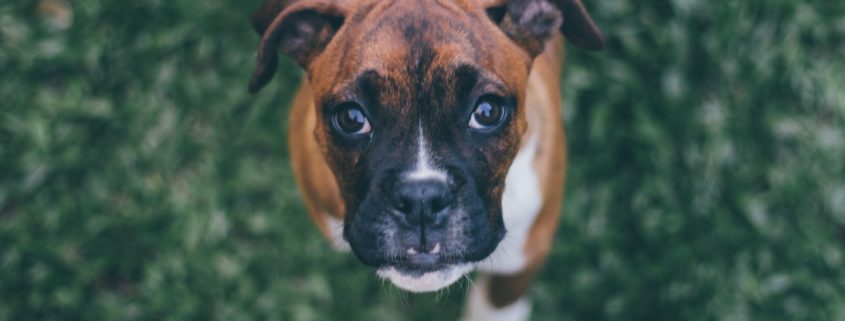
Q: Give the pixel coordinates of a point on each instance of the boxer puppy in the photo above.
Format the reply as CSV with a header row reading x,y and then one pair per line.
x,y
427,136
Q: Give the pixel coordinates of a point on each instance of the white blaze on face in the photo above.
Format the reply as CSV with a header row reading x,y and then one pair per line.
x,y
424,170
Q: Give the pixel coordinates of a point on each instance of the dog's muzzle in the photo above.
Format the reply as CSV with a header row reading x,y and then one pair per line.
x,y
422,234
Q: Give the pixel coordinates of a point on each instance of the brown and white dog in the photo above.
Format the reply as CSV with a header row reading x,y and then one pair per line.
x,y
427,134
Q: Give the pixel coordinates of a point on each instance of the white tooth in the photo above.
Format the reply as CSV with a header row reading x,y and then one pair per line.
x,y
436,249
411,251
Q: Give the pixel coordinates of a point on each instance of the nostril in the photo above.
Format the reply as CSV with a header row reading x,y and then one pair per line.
x,y
440,203
423,199
402,204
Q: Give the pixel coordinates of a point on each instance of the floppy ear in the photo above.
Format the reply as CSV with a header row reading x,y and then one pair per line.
x,y
301,30
578,26
264,15
530,23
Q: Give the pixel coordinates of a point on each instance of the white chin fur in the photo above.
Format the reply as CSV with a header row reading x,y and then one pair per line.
x,y
428,282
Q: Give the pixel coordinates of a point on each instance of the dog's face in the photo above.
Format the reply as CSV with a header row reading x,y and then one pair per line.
x,y
421,115
419,127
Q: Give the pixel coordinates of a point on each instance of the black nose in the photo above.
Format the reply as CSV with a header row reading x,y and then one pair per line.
x,y
423,202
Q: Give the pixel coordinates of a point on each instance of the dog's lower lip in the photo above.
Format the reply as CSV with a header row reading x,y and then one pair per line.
x,y
427,281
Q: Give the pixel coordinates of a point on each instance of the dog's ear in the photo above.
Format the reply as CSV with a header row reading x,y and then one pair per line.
x,y
301,30
264,15
531,22
578,25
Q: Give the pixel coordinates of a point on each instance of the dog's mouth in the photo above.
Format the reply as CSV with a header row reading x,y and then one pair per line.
x,y
421,251
413,262
424,272
426,278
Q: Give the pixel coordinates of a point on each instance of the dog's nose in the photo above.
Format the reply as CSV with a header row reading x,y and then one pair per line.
x,y
423,202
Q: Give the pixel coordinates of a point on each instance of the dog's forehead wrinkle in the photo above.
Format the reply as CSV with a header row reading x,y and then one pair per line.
x,y
414,93
421,53
407,25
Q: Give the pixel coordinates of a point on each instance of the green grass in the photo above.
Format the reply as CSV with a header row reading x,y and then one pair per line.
x,y
140,181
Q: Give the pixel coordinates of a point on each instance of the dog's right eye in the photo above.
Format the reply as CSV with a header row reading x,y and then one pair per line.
x,y
350,119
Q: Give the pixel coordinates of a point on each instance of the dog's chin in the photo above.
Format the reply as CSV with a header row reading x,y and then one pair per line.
x,y
430,281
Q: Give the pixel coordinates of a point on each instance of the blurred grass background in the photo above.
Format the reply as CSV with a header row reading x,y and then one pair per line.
x,y
140,181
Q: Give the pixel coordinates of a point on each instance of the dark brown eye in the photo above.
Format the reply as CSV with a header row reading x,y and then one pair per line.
x,y
488,114
350,119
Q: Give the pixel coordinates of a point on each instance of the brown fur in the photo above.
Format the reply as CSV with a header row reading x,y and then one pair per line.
x,y
375,29
322,196
386,52
543,109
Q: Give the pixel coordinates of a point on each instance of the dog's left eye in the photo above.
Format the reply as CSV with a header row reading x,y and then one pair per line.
x,y
350,119
489,113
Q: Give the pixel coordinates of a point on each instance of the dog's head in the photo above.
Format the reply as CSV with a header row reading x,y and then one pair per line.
x,y
420,109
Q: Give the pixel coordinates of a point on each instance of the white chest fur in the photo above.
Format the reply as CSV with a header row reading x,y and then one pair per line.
x,y
521,203
335,229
